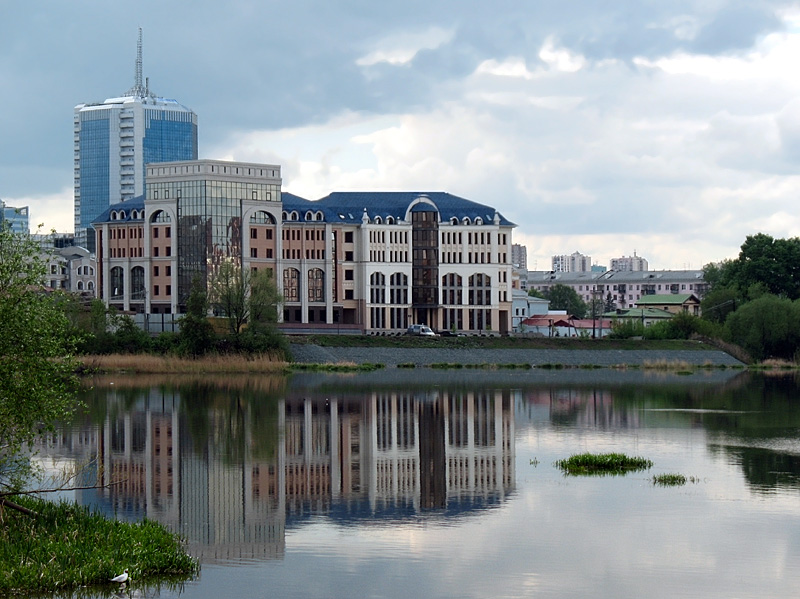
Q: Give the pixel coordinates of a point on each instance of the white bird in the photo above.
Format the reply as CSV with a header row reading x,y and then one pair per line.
x,y
121,577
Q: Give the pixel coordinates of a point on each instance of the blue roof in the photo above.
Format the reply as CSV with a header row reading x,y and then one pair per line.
x,y
349,206
128,206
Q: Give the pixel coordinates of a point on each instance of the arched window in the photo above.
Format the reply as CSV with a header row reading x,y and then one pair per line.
x,y
117,282
378,220
377,288
316,285
262,218
454,220
478,220
398,288
80,285
291,284
389,220
320,216
465,220
159,216
90,286
309,215
137,283
451,289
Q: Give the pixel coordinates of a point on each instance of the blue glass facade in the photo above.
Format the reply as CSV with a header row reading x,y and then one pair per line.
x,y
95,159
169,136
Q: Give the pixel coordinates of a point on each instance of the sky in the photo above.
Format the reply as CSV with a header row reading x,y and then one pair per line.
x,y
669,130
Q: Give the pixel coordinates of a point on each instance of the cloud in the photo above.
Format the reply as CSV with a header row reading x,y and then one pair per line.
x,y
401,48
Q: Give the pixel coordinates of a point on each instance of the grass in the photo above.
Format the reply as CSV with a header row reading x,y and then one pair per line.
x,y
151,364
68,546
340,367
602,464
669,480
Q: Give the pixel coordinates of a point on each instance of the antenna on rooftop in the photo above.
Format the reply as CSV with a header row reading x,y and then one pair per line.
x,y
138,90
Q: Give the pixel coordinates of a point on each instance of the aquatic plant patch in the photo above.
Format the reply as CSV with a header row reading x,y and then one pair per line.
x,y
603,463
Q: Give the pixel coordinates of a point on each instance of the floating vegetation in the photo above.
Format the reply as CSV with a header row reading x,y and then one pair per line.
x,y
549,366
602,464
407,365
673,480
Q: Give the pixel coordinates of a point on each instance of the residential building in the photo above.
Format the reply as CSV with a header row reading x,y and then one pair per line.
x,y
622,289
629,263
361,261
575,262
16,218
70,268
519,256
672,303
115,139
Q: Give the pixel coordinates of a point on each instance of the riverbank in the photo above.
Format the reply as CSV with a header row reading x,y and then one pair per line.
x,y
64,546
700,356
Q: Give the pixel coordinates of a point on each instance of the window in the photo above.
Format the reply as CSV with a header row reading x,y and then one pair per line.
x,y
155,232
254,252
348,237
253,233
156,290
348,256
155,251
291,285
316,290
169,250
348,294
169,270
155,271
169,290
348,275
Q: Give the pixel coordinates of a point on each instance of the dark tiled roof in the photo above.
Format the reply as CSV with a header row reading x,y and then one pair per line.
x,y
349,206
128,206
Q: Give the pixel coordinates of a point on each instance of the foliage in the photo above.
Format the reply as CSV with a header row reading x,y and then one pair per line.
x,y
767,327
37,381
228,290
604,463
625,328
564,297
265,297
67,546
669,480
718,303
196,334
536,293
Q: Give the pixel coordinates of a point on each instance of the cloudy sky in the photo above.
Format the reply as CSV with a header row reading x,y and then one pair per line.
x,y
669,129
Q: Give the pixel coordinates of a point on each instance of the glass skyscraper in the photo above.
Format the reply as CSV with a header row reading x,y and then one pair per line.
x,y
115,139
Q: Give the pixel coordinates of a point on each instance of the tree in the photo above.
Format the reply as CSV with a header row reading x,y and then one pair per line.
x,y
196,334
38,384
767,327
245,297
228,290
563,297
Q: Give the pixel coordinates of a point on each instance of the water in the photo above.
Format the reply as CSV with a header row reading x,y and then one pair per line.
x,y
418,484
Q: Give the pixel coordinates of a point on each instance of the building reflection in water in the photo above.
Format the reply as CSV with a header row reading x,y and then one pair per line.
x,y
233,479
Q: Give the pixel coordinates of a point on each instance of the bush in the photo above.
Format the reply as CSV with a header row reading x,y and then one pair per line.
x,y
767,327
626,328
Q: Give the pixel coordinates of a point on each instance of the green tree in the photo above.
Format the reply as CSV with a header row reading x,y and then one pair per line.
x,y
563,297
196,334
265,297
718,303
228,291
764,265
767,327
37,367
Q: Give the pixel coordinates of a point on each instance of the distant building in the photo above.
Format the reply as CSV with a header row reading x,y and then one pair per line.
x,y
17,218
629,263
115,139
622,289
362,261
575,262
519,256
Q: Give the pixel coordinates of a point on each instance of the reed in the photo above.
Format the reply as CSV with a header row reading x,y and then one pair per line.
x,y
603,463
68,546
151,364
680,365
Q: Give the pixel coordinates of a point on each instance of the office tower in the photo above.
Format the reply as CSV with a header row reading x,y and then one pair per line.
x,y
115,139
17,218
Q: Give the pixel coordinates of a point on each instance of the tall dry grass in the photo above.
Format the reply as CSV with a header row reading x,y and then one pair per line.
x,y
148,364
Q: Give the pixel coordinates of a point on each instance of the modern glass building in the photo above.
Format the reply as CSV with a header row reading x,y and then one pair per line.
x,y
115,139
17,219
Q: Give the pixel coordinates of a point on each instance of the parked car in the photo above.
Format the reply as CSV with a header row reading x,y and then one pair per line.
x,y
422,330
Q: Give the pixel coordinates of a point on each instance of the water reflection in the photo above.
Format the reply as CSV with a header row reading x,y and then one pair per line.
x,y
232,466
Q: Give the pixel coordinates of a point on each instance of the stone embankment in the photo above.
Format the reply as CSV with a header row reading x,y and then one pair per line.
x,y
392,356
